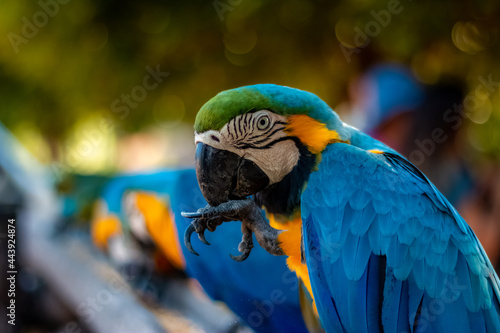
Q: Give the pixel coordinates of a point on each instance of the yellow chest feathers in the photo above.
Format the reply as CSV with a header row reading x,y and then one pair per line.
x,y
290,242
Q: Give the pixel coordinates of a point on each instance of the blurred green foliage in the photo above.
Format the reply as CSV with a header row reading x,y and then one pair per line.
x,y
79,57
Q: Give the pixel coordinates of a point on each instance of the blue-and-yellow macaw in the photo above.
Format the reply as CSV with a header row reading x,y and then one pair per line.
x,y
378,247
136,241
262,291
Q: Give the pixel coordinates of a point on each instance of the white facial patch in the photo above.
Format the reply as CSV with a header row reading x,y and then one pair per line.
x,y
260,138
136,218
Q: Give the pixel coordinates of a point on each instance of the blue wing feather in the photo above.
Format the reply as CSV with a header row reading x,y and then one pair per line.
x,y
359,207
395,302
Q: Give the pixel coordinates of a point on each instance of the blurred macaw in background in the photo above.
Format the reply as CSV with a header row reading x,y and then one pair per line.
x,y
377,246
145,209
137,241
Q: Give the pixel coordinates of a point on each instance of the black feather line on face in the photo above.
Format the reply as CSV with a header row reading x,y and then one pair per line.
x,y
239,126
267,146
267,131
268,137
283,198
245,117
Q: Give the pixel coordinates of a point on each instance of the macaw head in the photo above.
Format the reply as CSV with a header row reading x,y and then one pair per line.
x,y
151,220
253,139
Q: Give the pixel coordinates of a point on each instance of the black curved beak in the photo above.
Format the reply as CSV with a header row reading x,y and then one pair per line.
x,y
223,175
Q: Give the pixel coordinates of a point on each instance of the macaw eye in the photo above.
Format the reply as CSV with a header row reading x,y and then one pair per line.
x,y
263,122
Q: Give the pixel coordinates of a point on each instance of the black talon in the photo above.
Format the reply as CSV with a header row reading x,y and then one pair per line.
x,y
192,215
245,247
201,236
242,256
187,238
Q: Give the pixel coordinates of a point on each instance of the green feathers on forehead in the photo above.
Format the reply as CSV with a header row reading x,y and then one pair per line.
x,y
282,100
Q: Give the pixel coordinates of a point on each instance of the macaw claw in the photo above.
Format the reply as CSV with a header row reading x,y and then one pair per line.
x,y
192,214
202,238
187,238
241,257
247,212
245,246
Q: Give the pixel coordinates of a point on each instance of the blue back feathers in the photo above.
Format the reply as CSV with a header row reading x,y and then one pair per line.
x,y
391,253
